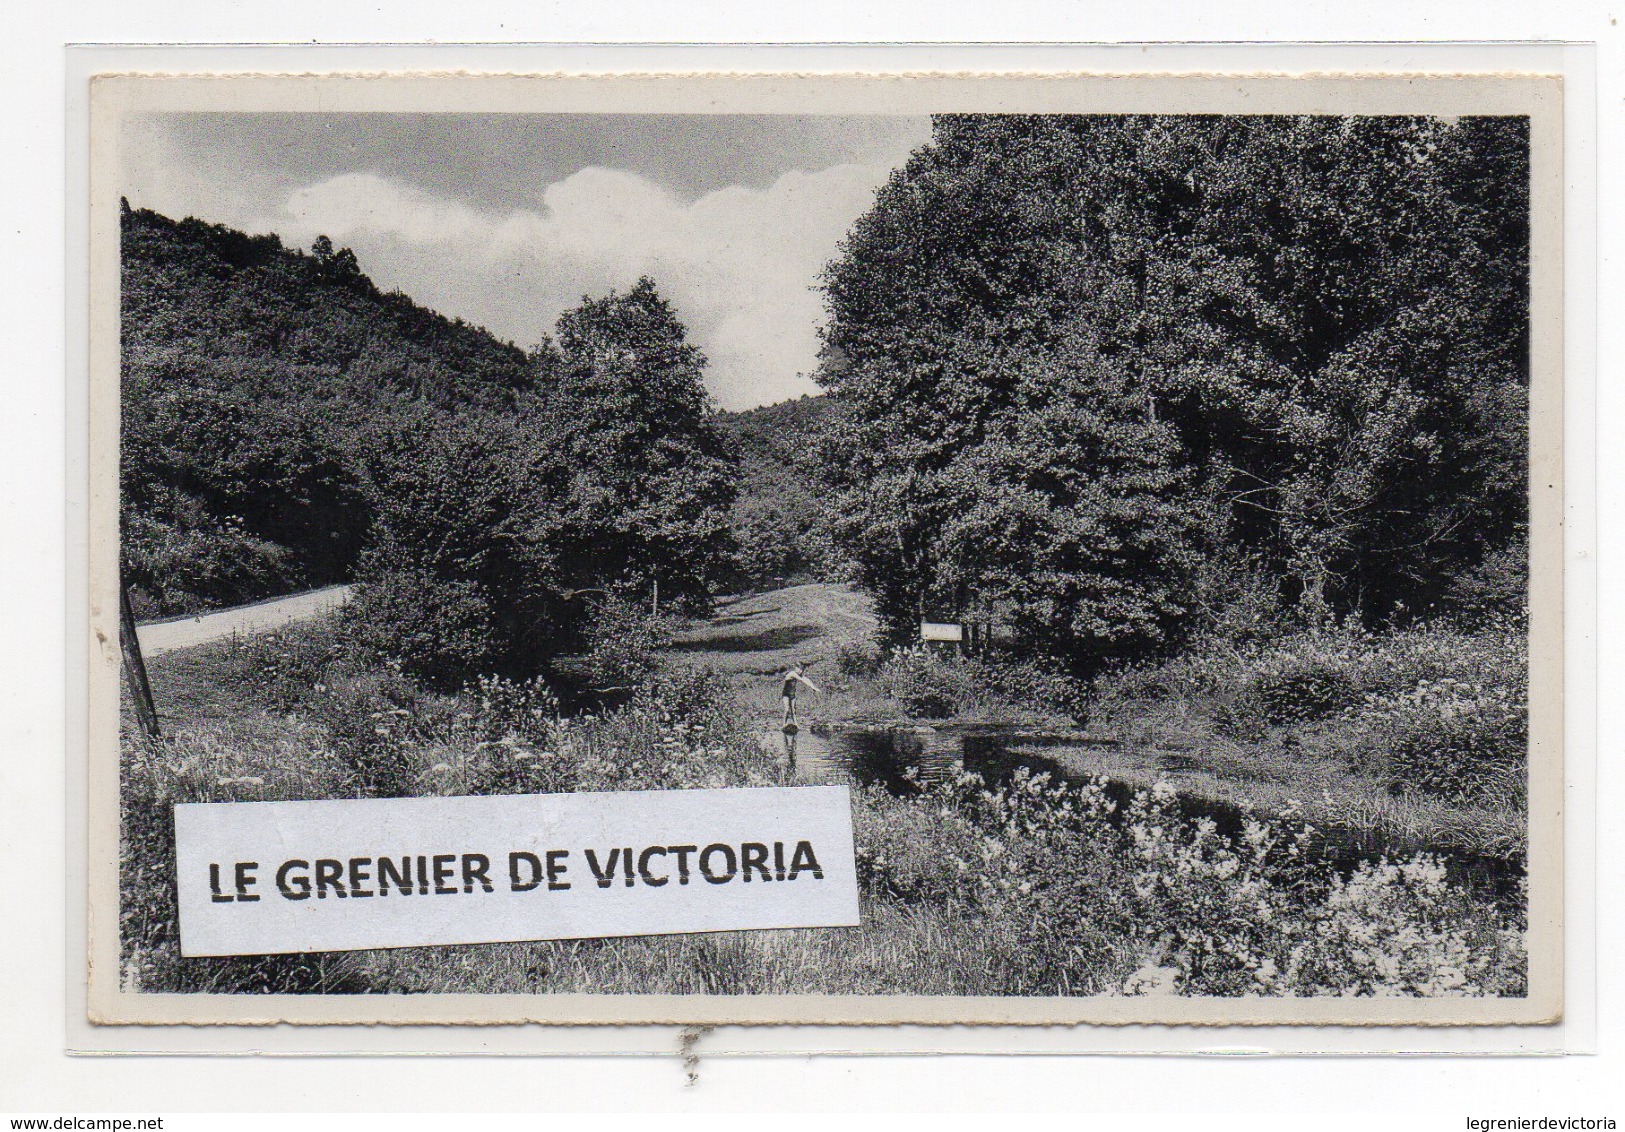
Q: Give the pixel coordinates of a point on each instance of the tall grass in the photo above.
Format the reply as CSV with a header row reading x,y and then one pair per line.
x,y
256,758
1029,888
1418,735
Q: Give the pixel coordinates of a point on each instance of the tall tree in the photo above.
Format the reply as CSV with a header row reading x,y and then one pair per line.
x,y
621,395
1315,325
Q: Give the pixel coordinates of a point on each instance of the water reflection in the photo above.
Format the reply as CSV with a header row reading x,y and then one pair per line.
x,y
867,755
790,737
890,756
887,755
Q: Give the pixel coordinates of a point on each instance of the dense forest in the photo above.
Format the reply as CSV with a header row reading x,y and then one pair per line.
x,y
286,423
781,519
1113,380
1106,382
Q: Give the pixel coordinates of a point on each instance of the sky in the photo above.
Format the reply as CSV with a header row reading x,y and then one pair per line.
x,y
508,220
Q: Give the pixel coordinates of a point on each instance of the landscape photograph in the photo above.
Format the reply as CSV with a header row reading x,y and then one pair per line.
x,y
1132,510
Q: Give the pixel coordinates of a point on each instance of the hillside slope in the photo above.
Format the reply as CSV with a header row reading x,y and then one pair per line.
x,y
248,373
209,291
781,517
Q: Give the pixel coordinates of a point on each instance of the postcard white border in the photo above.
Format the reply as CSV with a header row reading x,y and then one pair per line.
x,y
1135,93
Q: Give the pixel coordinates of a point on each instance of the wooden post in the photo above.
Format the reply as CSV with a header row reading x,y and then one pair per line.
x,y
135,669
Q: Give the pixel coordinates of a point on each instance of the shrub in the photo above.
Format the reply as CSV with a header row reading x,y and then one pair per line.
x,y
911,853
369,717
1354,686
678,732
1107,898
1297,680
200,561
1497,584
698,696
1300,688
1025,681
1261,915
936,685
1235,599
857,658
1026,862
1442,713
280,667
526,710
436,630
1450,738
623,644
926,684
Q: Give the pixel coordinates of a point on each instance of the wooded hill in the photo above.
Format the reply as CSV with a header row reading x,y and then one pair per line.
x,y
781,519
286,423
244,366
194,291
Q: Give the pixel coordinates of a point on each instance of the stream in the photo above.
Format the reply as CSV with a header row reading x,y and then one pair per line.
x,y
870,754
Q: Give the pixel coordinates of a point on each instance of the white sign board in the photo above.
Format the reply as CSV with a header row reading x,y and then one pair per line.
x,y
266,877
940,631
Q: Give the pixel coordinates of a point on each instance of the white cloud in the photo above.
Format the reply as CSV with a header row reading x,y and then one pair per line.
x,y
740,265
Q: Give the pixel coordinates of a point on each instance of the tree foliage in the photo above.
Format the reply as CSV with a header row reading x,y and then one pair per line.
x,y
620,398
286,424
1090,359
781,518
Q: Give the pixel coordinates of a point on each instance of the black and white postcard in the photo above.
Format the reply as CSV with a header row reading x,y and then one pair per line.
x,y
766,549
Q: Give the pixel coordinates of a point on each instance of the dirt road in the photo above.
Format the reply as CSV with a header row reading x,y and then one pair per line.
x,y
159,637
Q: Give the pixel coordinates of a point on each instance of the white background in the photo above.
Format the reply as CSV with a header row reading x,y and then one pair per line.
x,y
36,1077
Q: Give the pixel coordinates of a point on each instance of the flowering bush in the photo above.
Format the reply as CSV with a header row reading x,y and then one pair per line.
x,y
927,685
506,737
1403,929
1105,897
344,731
1027,861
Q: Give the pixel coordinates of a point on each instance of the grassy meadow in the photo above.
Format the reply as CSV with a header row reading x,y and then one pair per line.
x,y
1030,886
